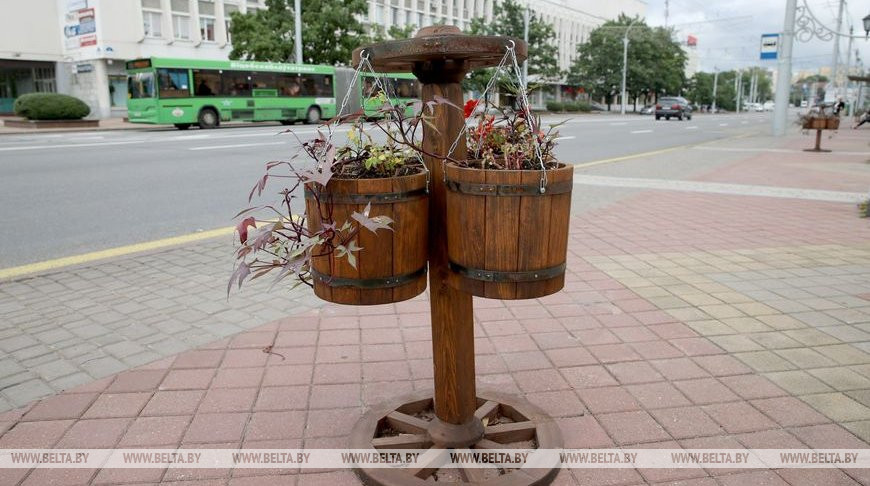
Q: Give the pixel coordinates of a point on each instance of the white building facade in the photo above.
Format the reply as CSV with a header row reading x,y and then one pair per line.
x,y
572,20
79,47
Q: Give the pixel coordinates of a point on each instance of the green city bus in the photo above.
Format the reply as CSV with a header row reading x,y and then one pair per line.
x,y
184,92
401,87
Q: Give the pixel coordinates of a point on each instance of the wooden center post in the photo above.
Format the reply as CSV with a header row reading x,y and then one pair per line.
x,y
440,57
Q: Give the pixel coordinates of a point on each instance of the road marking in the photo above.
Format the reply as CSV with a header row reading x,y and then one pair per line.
x,y
69,145
569,137
641,131
219,147
744,122
616,124
723,124
692,128
720,188
57,263
190,137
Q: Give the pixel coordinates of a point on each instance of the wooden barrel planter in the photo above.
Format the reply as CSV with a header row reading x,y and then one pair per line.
x,y
391,266
505,239
833,123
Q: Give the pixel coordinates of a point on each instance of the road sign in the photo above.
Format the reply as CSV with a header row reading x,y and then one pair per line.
x,y
769,46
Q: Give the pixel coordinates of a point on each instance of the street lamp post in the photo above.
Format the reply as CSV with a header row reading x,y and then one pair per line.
x,y
625,64
799,23
297,27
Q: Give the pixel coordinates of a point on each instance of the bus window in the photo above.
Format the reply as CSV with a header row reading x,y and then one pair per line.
x,y
324,85
316,85
236,83
264,81
140,85
406,88
288,85
370,87
172,83
206,82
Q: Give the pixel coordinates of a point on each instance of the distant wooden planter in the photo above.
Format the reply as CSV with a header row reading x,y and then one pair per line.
x,y
391,266
833,123
505,239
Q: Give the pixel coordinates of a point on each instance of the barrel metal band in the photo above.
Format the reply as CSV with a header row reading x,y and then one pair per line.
x,y
479,189
368,283
377,198
500,276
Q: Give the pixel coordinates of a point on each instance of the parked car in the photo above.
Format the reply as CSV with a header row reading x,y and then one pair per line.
x,y
647,110
768,106
673,106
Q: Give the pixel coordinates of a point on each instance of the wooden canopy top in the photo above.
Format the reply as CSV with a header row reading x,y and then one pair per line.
x,y
439,43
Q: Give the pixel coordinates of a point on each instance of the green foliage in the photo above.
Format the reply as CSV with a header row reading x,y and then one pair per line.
x,y
330,31
575,106
656,63
508,21
803,89
555,106
50,106
377,33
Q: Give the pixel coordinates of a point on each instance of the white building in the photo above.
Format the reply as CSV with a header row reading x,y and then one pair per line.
x,y
571,19
79,47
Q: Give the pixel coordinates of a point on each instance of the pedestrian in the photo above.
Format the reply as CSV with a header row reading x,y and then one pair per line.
x,y
865,117
839,105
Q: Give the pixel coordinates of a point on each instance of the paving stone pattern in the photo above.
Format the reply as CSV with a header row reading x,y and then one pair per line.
x,y
688,320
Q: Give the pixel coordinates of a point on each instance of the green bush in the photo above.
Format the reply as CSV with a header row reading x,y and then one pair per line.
x,y
50,106
555,106
575,106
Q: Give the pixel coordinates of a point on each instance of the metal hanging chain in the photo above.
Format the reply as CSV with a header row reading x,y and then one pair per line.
x,y
527,108
364,58
464,130
390,99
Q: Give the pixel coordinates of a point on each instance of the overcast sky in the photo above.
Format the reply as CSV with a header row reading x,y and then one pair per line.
x,y
728,44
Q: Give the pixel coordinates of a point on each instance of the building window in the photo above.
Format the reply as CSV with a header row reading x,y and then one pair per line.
x,y
181,19
181,26
206,28
394,16
152,21
43,80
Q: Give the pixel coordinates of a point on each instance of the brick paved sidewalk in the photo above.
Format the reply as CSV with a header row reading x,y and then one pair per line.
x,y
690,319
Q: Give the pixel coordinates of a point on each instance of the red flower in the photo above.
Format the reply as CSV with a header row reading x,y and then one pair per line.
x,y
470,105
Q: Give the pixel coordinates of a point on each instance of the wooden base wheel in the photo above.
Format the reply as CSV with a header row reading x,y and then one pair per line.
x,y
404,423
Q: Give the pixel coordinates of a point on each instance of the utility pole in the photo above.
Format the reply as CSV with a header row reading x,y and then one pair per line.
x,y
835,63
783,73
737,81
715,85
297,12
848,67
667,12
526,39
625,65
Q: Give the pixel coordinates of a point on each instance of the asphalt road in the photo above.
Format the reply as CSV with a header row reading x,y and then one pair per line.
x,y
71,193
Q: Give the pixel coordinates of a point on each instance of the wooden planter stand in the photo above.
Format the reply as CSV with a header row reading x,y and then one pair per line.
x,y
440,56
819,124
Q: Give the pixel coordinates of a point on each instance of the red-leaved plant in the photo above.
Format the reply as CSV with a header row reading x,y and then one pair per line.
x,y
281,240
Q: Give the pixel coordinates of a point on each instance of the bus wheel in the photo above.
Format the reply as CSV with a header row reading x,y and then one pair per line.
x,y
208,118
182,126
313,115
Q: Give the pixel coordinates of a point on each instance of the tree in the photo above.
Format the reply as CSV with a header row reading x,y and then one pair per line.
x,y
508,21
394,32
330,31
656,63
